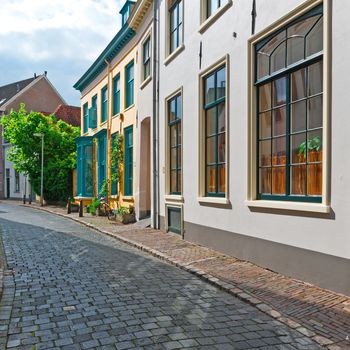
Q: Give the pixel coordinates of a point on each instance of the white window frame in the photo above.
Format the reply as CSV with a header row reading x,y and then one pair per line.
x,y
169,56
205,21
252,200
144,81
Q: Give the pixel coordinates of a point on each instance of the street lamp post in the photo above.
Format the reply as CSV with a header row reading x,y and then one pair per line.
x,y
42,168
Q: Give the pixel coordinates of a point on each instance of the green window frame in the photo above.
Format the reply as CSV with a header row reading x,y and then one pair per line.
x,y
147,58
212,6
93,113
128,161
104,104
289,120
175,144
85,167
85,118
176,25
215,132
116,95
114,185
129,85
101,157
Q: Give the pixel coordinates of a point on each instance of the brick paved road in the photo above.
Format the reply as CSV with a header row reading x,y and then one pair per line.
x,y
73,288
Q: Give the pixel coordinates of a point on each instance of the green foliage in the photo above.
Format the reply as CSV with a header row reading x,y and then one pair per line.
x,y
94,205
117,157
59,150
313,144
103,190
125,210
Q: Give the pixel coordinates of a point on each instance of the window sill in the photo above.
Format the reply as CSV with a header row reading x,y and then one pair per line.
x,y
295,206
174,54
213,200
116,115
128,198
174,198
126,109
209,21
103,123
145,82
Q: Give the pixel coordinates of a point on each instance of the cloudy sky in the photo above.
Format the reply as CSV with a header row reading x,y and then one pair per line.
x,y
63,37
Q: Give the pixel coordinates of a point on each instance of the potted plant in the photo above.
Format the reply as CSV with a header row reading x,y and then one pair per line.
x,y
95,204
312,150
125,215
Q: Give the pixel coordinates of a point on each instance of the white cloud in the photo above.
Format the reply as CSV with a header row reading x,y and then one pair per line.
x,y
43,33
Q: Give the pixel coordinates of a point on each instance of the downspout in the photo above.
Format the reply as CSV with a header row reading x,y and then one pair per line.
x,y
109,122
155,162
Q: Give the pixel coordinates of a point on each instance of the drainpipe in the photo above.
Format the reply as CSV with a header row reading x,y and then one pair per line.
x,y
155,162
109,122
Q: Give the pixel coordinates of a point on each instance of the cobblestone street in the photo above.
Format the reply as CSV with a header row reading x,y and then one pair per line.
x,y
69,287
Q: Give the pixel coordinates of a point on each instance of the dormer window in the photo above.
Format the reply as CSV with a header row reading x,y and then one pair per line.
x,y
126,10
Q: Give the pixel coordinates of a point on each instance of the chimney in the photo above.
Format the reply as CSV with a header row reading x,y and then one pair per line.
x,y
45,73
34,75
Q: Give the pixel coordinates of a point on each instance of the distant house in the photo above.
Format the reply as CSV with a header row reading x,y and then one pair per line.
x,y
38,94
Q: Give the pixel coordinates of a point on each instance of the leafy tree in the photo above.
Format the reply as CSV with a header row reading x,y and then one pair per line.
x,y
59,150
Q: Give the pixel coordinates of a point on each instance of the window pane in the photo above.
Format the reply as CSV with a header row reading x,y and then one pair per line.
x,y
179,131
279,151
172,110
315,109
265,153
298,147
221,83
279,121
315,85
180,12
298,85
265,125
178,107
314,151
314,41
221,148
174,220
314,179
211,150
263,65
221,179
278,58
211,179
265,97
173,135
179,36
273,43
173,18
298,179
221,117
295,50
279,91
173,158
211,121
173,41
179,181
173,181
279,180
210,89
298,116
179,158
265,180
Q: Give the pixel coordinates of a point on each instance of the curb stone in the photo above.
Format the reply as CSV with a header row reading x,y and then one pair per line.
x,y
233,290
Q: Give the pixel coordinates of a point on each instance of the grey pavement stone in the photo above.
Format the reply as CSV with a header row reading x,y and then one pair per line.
x,y
74,288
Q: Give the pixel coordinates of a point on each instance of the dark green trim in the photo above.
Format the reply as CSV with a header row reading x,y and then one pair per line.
x,y
130,84
128,161
116,95
177,147
85,118
104,104
122,38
